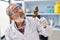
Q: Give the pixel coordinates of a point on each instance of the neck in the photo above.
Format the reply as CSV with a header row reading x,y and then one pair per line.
x,y
19,24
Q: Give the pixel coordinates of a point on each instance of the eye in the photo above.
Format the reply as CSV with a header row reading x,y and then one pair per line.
x,y
15,10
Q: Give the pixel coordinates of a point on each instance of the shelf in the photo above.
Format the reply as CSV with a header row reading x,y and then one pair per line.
x,y
39,0
42,14
55,29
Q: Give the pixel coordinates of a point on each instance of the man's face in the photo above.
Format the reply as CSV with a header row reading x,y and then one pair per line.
x,y
16,12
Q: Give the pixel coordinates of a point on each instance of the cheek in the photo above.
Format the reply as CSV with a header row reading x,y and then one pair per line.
x,y
16,15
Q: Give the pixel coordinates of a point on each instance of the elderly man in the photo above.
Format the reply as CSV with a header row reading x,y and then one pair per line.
x,y
21,28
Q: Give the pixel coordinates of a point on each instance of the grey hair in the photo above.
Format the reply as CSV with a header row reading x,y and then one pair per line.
x,y
7,10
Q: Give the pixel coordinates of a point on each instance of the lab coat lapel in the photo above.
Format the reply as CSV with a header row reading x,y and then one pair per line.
x,y
26,31
16,30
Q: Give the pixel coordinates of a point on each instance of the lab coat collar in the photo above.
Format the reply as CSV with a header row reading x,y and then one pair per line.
x,y
15,28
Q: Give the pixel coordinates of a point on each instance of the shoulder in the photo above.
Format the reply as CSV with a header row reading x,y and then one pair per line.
x,y
9,28
30,19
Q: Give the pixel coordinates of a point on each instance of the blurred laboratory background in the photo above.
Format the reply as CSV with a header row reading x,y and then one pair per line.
x,y
50,9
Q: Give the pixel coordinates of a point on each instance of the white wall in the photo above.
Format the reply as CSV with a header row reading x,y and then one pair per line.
x,y
4,19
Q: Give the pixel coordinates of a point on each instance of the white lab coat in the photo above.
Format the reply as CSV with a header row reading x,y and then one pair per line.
x,y
30,32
